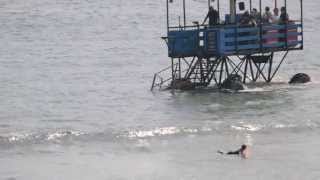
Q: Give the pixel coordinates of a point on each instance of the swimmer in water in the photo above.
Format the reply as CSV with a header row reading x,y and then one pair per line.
x,y
244,152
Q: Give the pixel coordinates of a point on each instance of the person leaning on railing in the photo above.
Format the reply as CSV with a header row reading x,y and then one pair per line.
x,y
275,16
267,16
255,15
247,20
284,17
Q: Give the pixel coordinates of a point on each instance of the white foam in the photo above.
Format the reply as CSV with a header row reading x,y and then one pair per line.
x,y
247,127
256,89
17,137
165,131
61,134
154,132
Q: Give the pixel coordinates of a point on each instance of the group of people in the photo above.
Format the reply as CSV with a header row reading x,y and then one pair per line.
x,y
252,18
267,17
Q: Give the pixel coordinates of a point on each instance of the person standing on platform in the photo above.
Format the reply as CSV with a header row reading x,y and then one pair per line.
x,y
284,17
255,14
275,17
213,16
267,16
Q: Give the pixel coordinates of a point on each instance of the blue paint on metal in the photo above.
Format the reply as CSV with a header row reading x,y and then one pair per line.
x,y
183,43
233,40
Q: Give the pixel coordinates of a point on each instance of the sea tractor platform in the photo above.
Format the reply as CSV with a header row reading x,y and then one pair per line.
x,y
203,55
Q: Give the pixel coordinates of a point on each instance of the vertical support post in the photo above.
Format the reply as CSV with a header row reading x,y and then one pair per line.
x,y
245,70
218,6
227,68
184,14
260,25
210,66
286,24
208,4
153,81
201,71
167,16
301,16
270,67
251,70
172,70
250,5
275,4
179,68
232,11
221,70
236,30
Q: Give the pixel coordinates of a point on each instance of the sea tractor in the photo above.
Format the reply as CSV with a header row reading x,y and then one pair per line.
x,y
205,55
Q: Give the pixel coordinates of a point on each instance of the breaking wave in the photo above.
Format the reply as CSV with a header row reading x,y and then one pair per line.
x,y
57,136
72,136
165,131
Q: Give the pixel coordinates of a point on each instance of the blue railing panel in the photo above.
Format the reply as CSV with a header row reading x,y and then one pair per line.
x,y
240,29
242,47
233,40
237,39
183,43
279,27
242,38
281,35
282,44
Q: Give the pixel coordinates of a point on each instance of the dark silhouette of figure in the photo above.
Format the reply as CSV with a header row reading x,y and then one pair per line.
x,y
255,14
267,16
284,17
213,16
247,20
243,152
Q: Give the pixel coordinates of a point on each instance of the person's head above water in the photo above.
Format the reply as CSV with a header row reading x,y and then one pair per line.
x,y
245,151
243,147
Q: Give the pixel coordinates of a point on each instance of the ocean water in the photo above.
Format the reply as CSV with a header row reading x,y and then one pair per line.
x,y
75,100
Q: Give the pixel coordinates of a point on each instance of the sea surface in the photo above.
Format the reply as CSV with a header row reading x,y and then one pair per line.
x,y
75,100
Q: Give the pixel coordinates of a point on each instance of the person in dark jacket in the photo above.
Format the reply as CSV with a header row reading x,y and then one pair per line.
x,y
213,16
284,17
